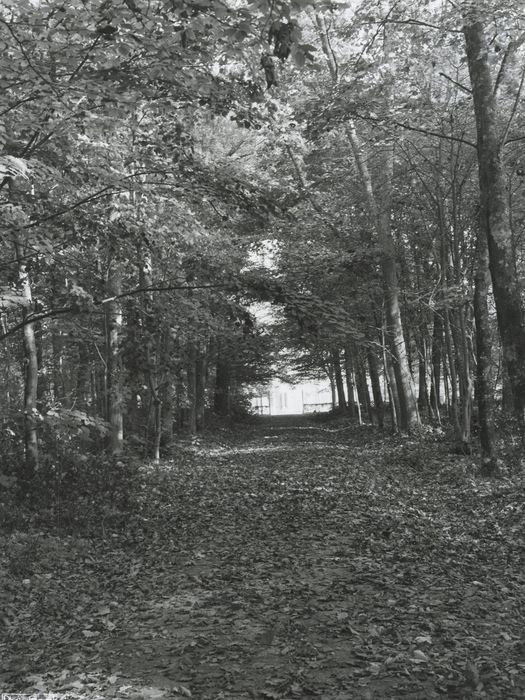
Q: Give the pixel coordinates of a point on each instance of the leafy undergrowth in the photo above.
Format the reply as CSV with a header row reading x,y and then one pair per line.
x,y
281,562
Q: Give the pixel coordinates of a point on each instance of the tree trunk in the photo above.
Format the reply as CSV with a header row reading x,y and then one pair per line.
x,y
484,384
338,376
82,378
191,374
333,390
494,206
350,383
59,385
507,399
115,399
362,388
379,207
7,371
373,368
466,382
200,389
423,399
437,342
452,373
221,401
353,403
392,389
30,370
152,339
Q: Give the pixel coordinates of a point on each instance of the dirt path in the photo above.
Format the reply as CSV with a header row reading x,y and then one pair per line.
x,y
297,561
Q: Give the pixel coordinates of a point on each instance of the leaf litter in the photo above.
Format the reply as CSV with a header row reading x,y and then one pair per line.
x,y
286,562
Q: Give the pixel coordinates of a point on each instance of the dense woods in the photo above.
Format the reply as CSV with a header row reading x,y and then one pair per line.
x,y
165,166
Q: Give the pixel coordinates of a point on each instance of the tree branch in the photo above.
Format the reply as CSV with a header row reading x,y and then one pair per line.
x,y
455,82
308,195
419,23
508,57
417,129
104,192
162,288
51,313
514,109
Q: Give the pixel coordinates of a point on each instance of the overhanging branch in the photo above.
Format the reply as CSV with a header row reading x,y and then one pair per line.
x,y
51,313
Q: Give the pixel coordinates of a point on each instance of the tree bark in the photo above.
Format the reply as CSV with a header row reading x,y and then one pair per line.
x,y
362,388
494,205
452,373
200,389
31,449
191,374
115,398
373,368
436,354
338,377
380,211
333,389
353,405
392,389
221,403
484,384
423,399
82,377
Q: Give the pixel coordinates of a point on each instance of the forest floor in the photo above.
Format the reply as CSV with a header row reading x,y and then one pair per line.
x,y
283,560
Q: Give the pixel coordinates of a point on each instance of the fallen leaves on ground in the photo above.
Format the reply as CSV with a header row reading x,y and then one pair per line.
x,y
284,562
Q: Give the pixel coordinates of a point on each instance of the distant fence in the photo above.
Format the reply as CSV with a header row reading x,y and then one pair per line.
x,y
307,408
317,407
262,410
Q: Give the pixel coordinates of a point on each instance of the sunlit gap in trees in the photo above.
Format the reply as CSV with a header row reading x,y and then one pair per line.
x,y
287,393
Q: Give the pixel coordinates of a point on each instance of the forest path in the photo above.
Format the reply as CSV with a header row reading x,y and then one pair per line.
x,y
293,560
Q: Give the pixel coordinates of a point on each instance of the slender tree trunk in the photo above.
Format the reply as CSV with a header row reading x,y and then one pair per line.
x,y
451,363
379,205
466,383
423,398
93,392
30,370
167,411
158,430
460,356
494,205
191,374
200,389
380,211
338,376
350,382
362,387
484,384
179,397
115,398
166,390
43,387
437,342
59,385
507,398
6,384
392,389
153,341
82,377
373,368
221,402
333,389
